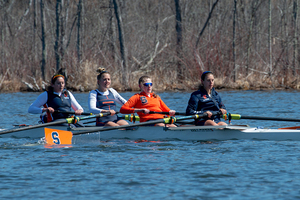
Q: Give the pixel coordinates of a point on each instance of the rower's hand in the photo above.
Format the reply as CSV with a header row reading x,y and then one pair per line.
x,y
78,112
112,112
224,112
209,114
145,111
49,109
172,112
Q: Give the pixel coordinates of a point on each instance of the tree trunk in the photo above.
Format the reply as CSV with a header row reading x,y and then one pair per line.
x,y
180,70
270,39
2,38
295,55
124,70
57,38
233,42
43,38
78,31
34,30
111,31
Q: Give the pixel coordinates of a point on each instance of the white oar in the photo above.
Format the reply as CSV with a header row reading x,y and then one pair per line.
x,y
54,136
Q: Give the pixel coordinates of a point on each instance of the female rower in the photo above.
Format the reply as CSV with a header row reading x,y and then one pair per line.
x,y
145,102
57,98
206,100
104,99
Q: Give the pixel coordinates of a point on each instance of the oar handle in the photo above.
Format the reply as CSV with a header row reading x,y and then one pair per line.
x,y
166,113
93,116
238,116
131,118
71,112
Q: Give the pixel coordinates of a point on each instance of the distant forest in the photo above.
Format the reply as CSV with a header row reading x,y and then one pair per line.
x,y
247,44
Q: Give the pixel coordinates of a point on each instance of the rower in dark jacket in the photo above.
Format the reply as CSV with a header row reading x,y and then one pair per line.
x,y
57,98
206,100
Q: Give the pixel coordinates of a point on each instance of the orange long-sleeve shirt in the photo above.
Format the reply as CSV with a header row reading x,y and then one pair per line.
x,y
141,100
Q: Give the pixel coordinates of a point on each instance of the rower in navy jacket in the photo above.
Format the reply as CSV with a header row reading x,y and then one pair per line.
x,y
206,100
56,98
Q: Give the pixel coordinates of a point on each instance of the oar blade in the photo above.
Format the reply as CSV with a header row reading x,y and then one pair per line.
x,y
291,128
56,137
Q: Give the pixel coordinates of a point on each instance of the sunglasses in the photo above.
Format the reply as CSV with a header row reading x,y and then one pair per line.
x,y
147,84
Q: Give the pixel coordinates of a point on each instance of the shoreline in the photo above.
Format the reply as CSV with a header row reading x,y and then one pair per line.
x,y
23,90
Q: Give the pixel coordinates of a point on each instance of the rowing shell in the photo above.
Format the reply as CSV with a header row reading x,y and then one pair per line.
x,y
185,133
193,133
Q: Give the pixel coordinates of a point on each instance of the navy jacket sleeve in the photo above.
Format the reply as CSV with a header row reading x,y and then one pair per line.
x,y
193,105
221,105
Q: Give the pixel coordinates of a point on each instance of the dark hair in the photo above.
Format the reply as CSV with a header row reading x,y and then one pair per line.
x,y
204,74
53,79
101,71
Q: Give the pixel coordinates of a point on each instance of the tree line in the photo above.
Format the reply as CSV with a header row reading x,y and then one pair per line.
x,y
245,43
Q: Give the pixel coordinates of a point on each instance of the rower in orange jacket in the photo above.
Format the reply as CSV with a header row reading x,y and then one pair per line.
x,y
145,102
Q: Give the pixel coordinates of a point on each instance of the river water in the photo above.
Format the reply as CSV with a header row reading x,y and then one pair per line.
x,y
122,169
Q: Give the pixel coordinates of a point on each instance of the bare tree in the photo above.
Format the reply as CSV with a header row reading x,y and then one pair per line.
x,y
34,28
295,17
58,44
157,38
180,70
111,32
270,38
233,42
207,21
255,5
78,30
124,70
43,38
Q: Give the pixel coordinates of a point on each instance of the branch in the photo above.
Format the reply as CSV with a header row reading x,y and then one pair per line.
x,y
154,56
21,20
208,18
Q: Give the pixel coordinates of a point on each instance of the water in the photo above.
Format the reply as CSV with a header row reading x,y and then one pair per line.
x,y
123,169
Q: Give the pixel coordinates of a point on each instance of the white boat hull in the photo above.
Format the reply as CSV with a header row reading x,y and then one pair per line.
x,y
186,133
200,133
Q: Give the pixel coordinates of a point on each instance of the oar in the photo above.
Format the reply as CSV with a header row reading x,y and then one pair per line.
x,y
131,118
60,121
71,112
237,117
293,127
54,136
166,113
